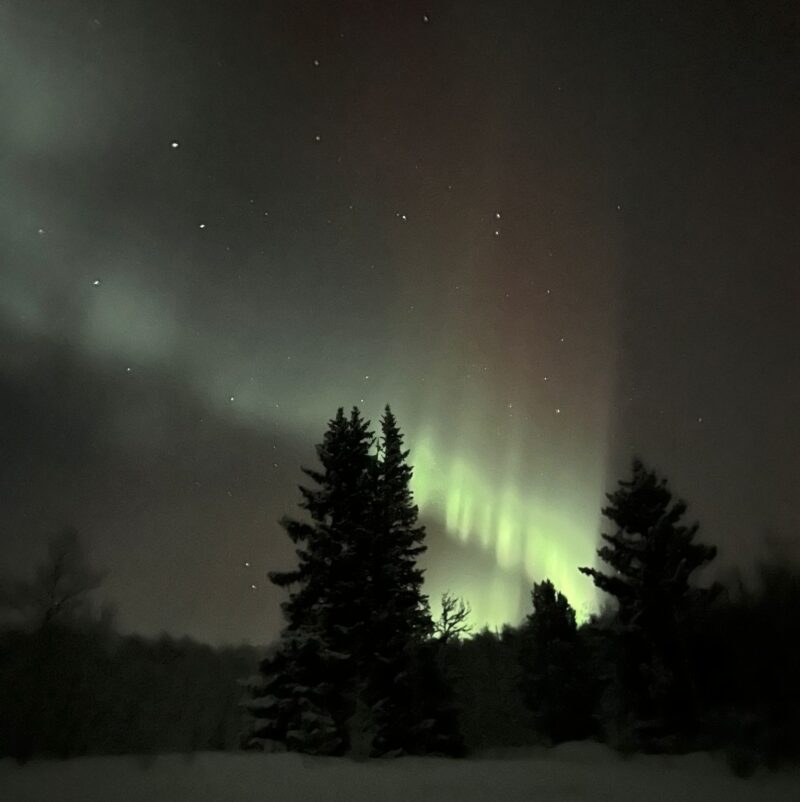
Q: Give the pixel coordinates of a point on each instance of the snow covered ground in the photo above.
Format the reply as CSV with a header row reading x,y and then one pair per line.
x,y
569,773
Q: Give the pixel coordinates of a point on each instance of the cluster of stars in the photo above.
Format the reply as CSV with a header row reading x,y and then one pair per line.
x,y
496,218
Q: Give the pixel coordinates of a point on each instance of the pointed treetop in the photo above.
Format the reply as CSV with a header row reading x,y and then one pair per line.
x,y
553,616
652,554
639,502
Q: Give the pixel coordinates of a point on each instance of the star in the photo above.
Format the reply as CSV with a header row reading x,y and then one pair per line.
x,y
317,138
558,410
202,225
174,144
316,62
96,282
246,564
40,231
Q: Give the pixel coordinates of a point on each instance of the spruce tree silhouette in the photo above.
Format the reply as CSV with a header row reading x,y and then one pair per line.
x,y
555,684
406,691
300,700
351,672
653,556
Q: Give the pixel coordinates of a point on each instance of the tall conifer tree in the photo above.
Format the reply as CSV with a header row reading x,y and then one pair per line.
x,y
407,692
652,555
300,699
555,684
352,671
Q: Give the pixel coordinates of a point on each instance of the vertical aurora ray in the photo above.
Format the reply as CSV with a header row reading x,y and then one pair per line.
x,y
523,534
505,404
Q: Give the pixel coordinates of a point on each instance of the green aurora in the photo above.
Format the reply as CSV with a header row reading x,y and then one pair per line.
x,y
523,536
498,227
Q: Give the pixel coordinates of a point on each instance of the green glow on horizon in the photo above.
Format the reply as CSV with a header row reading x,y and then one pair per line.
x,y
528,536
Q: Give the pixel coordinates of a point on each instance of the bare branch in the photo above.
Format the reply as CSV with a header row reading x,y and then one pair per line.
x,y
452,622
60,587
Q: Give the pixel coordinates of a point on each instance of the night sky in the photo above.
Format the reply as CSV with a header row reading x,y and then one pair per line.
x,y
550,234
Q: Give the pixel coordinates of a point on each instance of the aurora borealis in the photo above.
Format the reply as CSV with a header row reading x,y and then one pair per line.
x,y
550,235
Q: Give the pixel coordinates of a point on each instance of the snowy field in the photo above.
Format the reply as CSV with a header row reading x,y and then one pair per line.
x,y
569,773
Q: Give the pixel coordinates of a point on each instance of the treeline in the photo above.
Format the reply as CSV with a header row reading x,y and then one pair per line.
x,y
667,667
362,669
742,656
670,666
79,689
83,689
71,685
